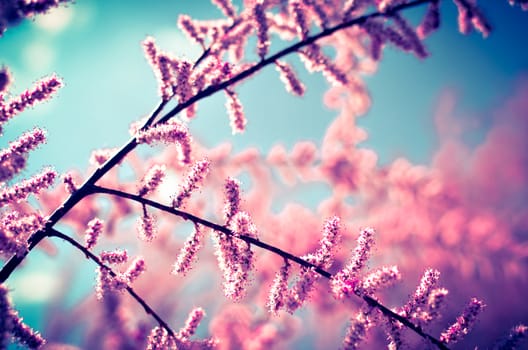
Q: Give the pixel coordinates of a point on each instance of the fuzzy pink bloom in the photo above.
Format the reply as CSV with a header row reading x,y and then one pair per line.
x,y
193,180
289,78
170,132
157,340
114,257
380,278
146,227
183,87
232,201
242,225
517,334
261,23
136,268
186,24
12,323
431,21
237,120
193,320
41,91
162,65
226,6
410,35
315,61
106,283
23,189
319,10
188,254
15,228
346,281
68,181
331,235
13,159
94,230
100,156
469,16
301,290
464,322
357,331
152,180
279,289
299,16
422,293
435,303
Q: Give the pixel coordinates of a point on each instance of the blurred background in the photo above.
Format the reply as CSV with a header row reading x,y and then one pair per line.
x,y
95,47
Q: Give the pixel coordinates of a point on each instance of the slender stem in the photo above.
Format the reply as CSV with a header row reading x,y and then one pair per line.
x,y
197,220
290,49
54,233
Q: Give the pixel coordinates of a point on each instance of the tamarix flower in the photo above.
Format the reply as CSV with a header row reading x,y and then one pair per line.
x,y
232,199
464,322
23,189
114,257
279,289
345,281
192,181
188,254
357,331
94,230
152,180
170,132
193,320
261,23
146,226
237,119
13,159
41,91
289,78
136,268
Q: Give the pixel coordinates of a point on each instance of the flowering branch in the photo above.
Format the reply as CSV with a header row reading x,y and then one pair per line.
x,y
250,240
54,233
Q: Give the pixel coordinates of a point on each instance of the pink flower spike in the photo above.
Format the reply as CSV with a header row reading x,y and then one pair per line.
x,y
146,227
94,230
226,6
41,91
357,331
232,202
517,334
170,132
136,268
194,179
193,320
279,289
157,340
422,293
100,156
114,257
186,24
23,333
431,21
261,23
152,180
188,253
13,159
464,322
380,278
22,190
237,120
299,15
289,78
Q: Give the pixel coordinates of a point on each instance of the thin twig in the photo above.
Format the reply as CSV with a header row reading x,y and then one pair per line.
x,y
54,233
197,220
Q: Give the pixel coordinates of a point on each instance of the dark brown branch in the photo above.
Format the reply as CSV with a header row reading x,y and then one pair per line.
x,y
148,310
197,220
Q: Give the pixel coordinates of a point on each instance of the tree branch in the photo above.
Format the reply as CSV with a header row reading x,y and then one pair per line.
x,y
148,310
197,220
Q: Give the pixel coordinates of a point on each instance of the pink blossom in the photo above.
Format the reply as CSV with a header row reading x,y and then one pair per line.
x,y
193,320
279,289
422,293
151,180
41,91
315,60
136,268
289,78
431,21
464,322
13,159
170,132
232,199
299,15
261,23
68,181
237,120
94,230
15,228
23,189
357,331
146,226
380,278
193,180
226,6
187,25
114,257
189,251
